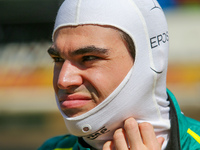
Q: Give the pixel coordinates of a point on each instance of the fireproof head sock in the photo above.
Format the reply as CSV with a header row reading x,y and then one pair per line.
x,y
142,93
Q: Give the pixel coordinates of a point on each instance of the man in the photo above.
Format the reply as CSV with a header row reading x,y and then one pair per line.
x,y
110,78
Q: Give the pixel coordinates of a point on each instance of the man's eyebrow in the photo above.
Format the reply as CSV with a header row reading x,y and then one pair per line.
x,y
89,49
52,51
80,51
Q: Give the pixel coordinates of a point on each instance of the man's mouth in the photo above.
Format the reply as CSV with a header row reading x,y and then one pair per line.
x,y
74,101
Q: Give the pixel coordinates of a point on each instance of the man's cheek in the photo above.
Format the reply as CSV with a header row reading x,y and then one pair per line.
x,y
55,80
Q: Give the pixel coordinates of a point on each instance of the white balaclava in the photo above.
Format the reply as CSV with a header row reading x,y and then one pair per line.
x,y
142,94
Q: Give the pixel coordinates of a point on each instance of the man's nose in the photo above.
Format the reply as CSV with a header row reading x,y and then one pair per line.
x,y
69,76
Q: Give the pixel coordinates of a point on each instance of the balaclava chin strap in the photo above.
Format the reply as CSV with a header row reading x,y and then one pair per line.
x,y
142,93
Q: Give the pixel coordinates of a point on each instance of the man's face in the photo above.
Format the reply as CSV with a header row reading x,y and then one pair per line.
x,y
90,62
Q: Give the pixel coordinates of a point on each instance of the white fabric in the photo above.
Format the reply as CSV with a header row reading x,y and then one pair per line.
x,y
142,94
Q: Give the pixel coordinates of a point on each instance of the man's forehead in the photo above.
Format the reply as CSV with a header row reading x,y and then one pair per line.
x,y
86,29
78,35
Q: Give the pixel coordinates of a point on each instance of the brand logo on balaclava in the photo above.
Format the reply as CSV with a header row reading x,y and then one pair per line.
x,y
159,39
96,134
155,5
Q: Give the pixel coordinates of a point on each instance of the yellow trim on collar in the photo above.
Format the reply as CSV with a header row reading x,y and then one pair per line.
x,y
194,135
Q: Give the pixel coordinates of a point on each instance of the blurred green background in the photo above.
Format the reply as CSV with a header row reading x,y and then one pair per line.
x,y
28,112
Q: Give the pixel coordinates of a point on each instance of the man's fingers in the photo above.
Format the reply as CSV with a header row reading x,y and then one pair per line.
x,y
160,141
133,133
134,136
119,140
149,137
141,136
108,145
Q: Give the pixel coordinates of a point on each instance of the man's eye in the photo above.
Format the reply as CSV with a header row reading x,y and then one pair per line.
x,y
89,58
58,59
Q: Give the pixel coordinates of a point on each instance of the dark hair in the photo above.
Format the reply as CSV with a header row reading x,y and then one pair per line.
x,y
129,42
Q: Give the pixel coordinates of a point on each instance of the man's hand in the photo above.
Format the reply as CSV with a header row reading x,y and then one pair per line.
x,y
139,136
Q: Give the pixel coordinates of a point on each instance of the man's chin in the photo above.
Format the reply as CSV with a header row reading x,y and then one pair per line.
x,y
73,113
